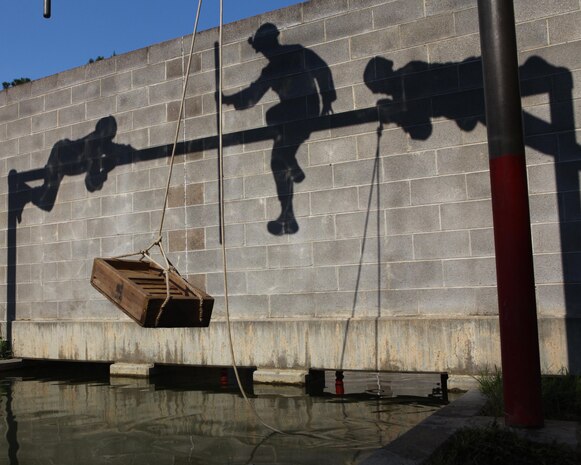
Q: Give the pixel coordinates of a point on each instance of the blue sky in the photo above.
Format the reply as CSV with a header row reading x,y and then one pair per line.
x,y
79,30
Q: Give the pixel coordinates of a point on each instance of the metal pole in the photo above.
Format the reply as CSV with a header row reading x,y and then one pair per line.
x,y
512,231
46,12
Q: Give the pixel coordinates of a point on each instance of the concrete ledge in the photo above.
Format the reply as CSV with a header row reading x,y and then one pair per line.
x,y
415,446
11,364
418,444
132,370
412,344
266,376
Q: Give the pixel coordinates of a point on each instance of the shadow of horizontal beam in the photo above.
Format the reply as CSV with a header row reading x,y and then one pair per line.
x,y
322,123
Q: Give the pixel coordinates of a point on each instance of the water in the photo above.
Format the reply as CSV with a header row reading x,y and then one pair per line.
x,y
79,416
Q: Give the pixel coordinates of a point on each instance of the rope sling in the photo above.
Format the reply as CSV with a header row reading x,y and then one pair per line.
x,y
167,268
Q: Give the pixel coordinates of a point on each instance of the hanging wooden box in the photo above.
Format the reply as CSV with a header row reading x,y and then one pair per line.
x,y
138,288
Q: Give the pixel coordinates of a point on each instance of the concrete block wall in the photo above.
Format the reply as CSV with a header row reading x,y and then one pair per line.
x,y
394,242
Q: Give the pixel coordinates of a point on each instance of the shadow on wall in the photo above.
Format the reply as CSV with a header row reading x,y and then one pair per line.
x,y
302,81
419,92
94,155
414,95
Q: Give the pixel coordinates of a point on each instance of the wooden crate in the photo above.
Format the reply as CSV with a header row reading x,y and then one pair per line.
x,y
138,288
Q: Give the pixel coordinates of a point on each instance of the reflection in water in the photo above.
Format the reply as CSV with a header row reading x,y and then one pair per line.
x,y
94,421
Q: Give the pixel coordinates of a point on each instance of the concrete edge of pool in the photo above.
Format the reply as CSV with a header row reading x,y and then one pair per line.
x,y
415,446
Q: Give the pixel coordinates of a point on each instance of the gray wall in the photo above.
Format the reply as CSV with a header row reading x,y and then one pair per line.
x,y
389,272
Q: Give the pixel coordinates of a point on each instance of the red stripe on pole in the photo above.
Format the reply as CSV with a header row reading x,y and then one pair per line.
x,y
516,291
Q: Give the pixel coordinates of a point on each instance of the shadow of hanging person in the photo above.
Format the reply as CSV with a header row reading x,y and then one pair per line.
x,y
304,85
95,155
419,92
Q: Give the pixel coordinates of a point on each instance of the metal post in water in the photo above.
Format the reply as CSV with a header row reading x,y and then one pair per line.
x,y
512,231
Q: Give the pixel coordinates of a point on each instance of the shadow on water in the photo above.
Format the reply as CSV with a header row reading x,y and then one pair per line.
x,y
415,95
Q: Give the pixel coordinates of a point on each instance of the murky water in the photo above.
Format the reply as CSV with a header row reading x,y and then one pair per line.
x,y
83,417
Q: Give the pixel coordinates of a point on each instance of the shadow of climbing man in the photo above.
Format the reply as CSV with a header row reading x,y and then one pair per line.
x,y
95,154
420,91
304,85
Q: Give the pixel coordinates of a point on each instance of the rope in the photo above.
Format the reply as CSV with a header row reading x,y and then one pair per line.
x,y
145,255
222,229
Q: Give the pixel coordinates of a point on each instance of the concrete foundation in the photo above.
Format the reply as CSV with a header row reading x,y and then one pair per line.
x,y
458,346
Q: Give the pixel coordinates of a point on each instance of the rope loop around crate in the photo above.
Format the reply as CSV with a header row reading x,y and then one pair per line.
x,y
158,242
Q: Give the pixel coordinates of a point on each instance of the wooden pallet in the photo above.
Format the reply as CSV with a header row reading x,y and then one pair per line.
x,y
138,288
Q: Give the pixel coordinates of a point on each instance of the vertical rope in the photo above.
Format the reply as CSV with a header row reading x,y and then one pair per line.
x,y
180,114
223,228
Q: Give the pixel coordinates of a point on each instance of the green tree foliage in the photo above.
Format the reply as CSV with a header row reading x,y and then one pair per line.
x,y
15,82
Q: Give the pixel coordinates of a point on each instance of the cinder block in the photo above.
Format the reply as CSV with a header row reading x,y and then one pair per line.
x,y
71,76
448,244
57,252
352,23
71,115
284,17
290,255
149,75
31,143
398,12
236,284
28,107
334,201
467,215
244,211
100,68
332,53
532,35
247,258
542,179
86,208
482,242
466,21
167,50
58,99
564,28
135,59
19,128
149,116
364,277
455,49
291,280
101,107
549,268
478,185
342,252
375,43
304,34
462,159
525,10
409,166
332,151
131,100
435,7
427,30
415,275
391,194
413,219
323,9
470,272
119,82
86,91
447,302
438,190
